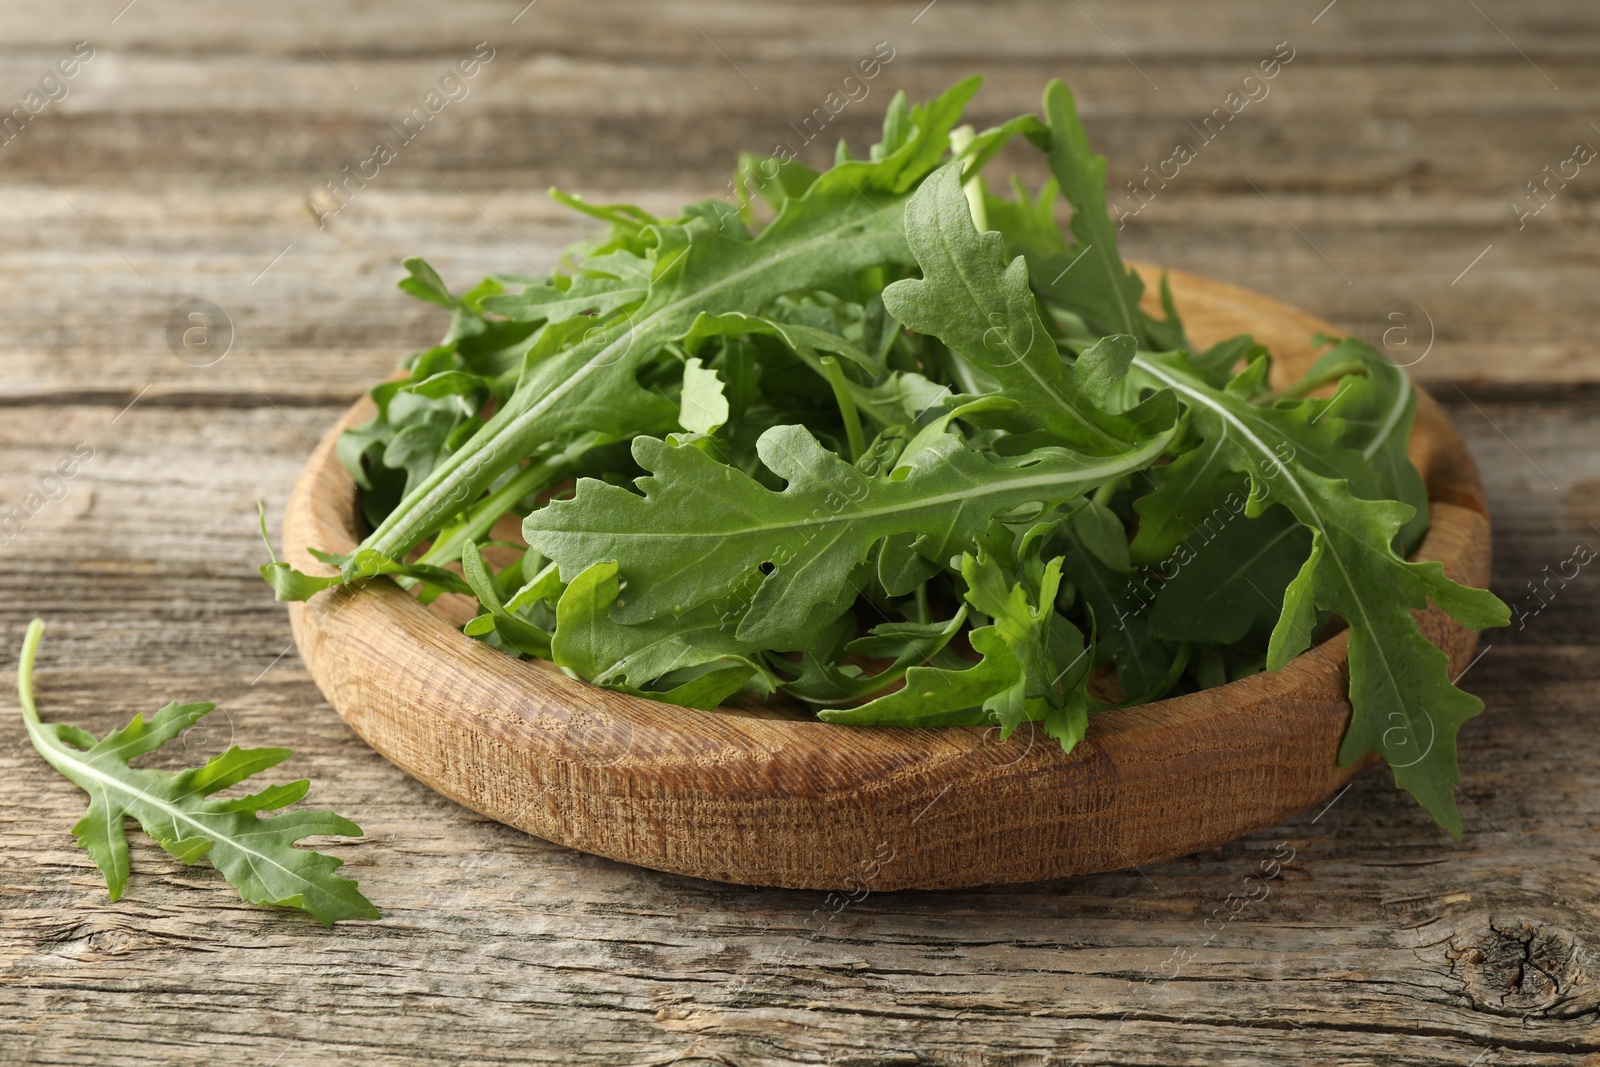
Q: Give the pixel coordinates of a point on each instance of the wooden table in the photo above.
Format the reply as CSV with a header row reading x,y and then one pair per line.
x,y
1377,176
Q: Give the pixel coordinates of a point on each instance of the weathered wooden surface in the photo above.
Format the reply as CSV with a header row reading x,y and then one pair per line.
x,y
1394,142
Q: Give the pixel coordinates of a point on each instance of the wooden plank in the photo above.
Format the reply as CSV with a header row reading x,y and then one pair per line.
x,y
324,321
1398,175
1480,126
1411,28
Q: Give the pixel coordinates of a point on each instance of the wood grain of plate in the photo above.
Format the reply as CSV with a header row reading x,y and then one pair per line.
x,y
740,796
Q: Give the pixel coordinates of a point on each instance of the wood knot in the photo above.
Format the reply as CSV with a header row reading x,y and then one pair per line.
x,y
1523,970
93,936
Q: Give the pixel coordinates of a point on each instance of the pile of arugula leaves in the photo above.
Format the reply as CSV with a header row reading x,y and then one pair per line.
x,y
908,453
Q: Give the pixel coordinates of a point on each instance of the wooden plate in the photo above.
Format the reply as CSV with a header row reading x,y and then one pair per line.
x,y
740,796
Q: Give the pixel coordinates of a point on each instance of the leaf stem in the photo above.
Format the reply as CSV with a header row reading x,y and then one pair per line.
x,y
482,515
45,742
261,513
847,406
30,649
972,182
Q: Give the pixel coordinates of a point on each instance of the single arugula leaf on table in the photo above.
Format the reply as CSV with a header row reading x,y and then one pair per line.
x,y
179,812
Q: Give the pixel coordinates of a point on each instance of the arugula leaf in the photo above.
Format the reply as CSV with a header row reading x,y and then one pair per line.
x,y
1088,276
1186,493
1404,704
1099,531
702,528
1146,665
1033,664
703,407
1229,578
1376,410
628,222
601,285
886,403
498,617
907,644
981,306
290,584
256,855
629,657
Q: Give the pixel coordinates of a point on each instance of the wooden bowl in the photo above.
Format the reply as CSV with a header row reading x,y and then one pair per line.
x,y
739,796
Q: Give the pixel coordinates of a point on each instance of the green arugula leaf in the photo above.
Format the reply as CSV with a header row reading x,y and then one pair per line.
x,y
1097,529
703,408
1188,491
629,657
498,618
1033,667
290,584
1229,578
1099,288
906,644
899,398
601,285
1089,277
982,307
1404,704
255,854
1146,666
983,147
628,222
702,529
1376,411
424,283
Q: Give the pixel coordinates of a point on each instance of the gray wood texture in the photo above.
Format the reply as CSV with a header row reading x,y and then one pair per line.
x,y
1381,168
